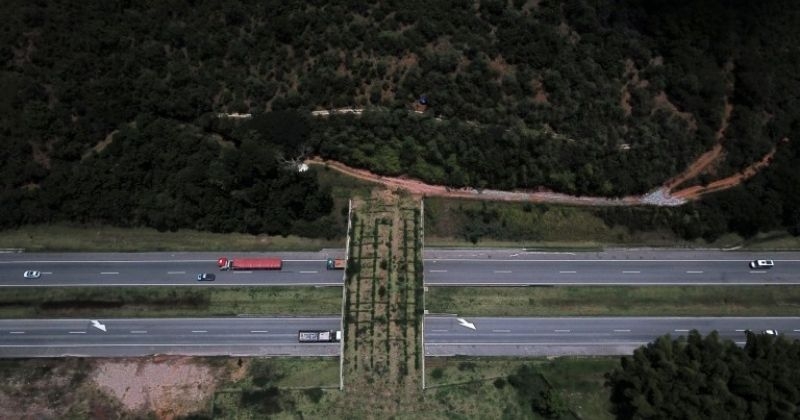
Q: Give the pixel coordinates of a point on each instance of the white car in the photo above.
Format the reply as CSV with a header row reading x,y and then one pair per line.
x,y
762,264
31,274
771,332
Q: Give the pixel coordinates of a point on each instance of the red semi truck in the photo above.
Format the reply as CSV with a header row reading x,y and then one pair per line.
x,y
250,263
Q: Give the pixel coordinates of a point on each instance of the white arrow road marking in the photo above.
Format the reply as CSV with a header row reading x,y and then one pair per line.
x,y
463,322
98,325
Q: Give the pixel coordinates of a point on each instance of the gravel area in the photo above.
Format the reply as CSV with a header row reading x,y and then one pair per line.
x,y
169,387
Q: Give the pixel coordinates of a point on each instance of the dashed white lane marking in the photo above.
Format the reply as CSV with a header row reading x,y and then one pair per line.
x,y
502,331
309,272
567,272
681,330
694,272
47,272
502,271
739,330
199,331
622,330
631,272
796,330
176,272
138,332
242,272
258,331
437,271
758,272
16,332
562,331
77,332
109,272
439,330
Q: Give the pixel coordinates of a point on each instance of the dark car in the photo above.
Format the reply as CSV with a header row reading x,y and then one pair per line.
x,y
206,277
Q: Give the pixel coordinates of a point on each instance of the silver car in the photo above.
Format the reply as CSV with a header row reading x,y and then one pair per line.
x,y
31,274
762,264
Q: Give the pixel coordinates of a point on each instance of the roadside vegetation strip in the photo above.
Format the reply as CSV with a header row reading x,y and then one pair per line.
x,y
616,301
30,302
577,382
61,238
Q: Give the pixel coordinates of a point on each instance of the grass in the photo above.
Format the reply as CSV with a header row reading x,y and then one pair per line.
x,y
470,223
616,301
458,381
64,238
26,302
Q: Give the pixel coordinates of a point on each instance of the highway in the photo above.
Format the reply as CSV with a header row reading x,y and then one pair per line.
x,y
443,267
163,269
143,336
445,336
610,267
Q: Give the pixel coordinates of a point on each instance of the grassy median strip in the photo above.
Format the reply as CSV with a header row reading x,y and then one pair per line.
x,y
616,301
28,302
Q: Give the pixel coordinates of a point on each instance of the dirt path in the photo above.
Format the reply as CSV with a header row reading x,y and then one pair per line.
x,y
659,197
419,188
725,183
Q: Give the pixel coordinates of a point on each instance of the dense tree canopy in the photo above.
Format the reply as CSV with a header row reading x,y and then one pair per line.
x,y
705,377
606,97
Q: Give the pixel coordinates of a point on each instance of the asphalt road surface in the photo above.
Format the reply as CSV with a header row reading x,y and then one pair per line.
x,y
164,269
445,336
611,267
143,337
482,267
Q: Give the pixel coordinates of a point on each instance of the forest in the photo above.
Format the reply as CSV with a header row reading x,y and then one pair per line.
x,y
707,377
115,112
